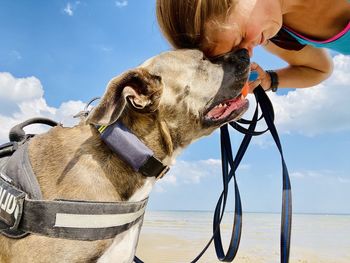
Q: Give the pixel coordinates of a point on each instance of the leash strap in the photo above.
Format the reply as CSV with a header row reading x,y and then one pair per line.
x,y
286,218
227,161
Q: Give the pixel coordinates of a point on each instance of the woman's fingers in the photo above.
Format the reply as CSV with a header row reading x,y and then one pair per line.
x,y
253,85
263,77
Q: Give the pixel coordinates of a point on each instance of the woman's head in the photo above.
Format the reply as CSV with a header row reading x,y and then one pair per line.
x,y
218,26
182,21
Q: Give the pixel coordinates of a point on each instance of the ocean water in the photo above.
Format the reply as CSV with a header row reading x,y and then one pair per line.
x,y
178,236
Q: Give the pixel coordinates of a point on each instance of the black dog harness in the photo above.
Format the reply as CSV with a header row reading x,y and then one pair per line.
x,y
22,210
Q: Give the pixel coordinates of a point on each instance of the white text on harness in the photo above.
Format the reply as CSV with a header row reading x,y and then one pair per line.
x,y
8,203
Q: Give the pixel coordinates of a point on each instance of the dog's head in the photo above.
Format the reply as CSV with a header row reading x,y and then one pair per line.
x,y
187,93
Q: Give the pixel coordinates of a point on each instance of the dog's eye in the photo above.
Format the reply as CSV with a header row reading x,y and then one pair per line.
x,y
157,78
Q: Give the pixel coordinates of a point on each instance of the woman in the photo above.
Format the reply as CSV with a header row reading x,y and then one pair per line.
x,y
294,30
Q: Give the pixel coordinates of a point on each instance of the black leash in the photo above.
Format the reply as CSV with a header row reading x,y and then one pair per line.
x,y
228,161
286,219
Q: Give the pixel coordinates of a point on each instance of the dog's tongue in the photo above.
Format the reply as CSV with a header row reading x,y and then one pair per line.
x,y
216,112
226,109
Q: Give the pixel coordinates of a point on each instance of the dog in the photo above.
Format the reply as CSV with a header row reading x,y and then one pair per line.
x,y
168,102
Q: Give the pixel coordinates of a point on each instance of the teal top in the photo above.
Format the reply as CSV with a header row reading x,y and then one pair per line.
x,y
339,43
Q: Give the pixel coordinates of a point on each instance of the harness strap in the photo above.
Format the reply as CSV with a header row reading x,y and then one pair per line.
x,y
8,149
69,219
19,169
22,210
80,220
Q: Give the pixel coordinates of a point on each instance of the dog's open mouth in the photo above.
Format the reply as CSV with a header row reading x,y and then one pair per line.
x,y
227,110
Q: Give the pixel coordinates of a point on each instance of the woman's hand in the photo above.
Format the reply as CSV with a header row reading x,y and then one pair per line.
x,y
263,78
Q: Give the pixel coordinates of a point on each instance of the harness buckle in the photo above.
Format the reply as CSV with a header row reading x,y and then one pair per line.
x,y
11,205
163,172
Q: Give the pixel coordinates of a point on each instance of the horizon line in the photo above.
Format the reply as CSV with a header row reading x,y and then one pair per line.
x,y
252,212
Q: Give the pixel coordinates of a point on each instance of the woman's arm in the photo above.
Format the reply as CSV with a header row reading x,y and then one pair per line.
x,y
307,67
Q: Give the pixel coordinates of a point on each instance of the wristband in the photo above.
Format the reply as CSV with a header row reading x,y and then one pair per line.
x,y
274,80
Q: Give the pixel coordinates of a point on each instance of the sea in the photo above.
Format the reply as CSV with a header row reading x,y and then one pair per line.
x,y
179,236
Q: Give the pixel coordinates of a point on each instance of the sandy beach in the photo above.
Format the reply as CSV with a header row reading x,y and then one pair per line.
x,y
178,237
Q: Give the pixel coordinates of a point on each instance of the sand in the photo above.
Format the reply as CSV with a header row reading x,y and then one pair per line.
x,y
175,237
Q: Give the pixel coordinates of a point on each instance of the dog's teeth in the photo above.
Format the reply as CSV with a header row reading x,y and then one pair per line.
x,y
220,106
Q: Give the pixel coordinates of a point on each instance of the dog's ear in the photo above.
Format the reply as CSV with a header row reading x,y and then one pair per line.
x,y
138,87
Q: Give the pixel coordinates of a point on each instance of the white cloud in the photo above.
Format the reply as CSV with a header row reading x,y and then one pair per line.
x,y
106,49
297,175
159,189
185,172
343,180
121,4
15,54
20,89
70,8
320,109
244,167
102,47
23,98
313,174
192,172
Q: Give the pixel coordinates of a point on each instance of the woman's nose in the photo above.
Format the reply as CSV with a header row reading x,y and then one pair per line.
x,y
249,44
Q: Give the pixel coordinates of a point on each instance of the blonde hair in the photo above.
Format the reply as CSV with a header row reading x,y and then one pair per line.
x,y
182,21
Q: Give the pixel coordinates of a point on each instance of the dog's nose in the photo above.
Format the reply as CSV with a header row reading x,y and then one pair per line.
x,y
242,54
235,60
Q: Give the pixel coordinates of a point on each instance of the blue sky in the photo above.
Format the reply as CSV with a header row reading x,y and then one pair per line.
x,y
56,55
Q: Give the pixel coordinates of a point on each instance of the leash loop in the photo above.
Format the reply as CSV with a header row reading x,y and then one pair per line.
x,y
227,161
227,157
244,130
286,217
226,151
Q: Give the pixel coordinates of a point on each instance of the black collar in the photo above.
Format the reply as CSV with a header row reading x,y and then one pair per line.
x,y
132,150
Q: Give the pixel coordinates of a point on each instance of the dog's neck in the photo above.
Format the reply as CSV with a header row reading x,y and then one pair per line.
x,y
156,136
78,157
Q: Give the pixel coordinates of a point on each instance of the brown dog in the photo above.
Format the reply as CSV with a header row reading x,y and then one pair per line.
x,y
167,102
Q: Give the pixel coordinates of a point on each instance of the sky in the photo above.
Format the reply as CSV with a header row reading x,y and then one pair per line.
x,y
57,55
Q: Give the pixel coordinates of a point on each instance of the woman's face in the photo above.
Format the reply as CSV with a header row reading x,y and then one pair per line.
x,y
249,23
